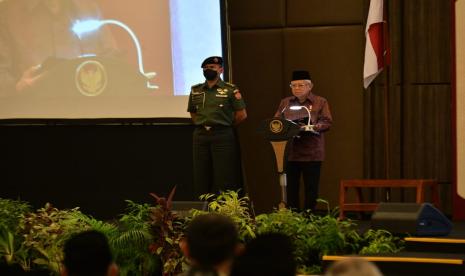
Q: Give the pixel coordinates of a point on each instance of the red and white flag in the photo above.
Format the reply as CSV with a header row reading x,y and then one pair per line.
x,y
374,47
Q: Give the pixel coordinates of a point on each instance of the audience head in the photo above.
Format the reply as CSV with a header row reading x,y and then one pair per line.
x,y
211,239
353,267
268,254
88,253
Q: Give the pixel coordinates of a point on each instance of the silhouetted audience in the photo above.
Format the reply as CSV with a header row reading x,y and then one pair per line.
x,y
210,244
11,270
268,254
40,272
353,267
17,270
88,253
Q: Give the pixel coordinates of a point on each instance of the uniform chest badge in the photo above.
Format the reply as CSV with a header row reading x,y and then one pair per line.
x,y
222,91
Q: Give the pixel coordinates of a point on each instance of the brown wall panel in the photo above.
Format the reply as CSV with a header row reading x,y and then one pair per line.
x,y
324,12
374,132
427,147
257,69
427,41
395,135
332,55
395,40
247,14
427,137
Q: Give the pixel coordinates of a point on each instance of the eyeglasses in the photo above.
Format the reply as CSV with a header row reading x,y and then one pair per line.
x,y
297,85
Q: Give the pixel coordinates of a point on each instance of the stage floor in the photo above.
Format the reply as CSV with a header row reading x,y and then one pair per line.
x,y
427,256
458,229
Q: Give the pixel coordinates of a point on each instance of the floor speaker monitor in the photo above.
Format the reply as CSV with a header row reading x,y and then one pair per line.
x,y
412,218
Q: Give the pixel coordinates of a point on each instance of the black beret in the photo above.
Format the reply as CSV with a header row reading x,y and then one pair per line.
x,y
300,75
213,60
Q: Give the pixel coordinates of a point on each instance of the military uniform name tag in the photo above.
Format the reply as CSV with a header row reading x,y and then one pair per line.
x,y
198,99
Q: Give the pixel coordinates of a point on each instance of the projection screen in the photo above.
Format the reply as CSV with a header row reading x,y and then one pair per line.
x,y
72,59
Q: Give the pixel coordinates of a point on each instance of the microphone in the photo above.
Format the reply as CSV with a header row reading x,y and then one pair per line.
x,y
282,112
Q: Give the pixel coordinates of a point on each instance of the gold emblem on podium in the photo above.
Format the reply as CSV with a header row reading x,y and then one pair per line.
x,y
91,78
276,126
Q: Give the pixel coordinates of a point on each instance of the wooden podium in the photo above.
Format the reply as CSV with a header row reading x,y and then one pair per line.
x,y
279,131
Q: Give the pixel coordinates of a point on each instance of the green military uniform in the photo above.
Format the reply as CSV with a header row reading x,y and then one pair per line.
x,y
215,151
216,105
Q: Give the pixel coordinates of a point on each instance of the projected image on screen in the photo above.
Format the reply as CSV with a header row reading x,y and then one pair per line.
x,y
103,59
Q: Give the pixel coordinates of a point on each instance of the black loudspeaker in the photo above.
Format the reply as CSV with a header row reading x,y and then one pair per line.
x,y
412,218
183,208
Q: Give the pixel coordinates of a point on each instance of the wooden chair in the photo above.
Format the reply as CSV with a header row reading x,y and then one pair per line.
x,y
358,184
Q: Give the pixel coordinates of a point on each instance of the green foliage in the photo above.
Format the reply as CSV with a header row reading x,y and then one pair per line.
x,y
146,237
380,241
293,224
230,204
312,235
136,216
7,244
89,223
167,230
11,211
131,245
45,232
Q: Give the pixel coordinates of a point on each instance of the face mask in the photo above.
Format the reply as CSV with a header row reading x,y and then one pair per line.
x,y
210,74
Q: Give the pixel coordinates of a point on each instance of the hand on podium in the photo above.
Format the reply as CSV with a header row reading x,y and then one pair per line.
x,y
309,128
33,74
29,78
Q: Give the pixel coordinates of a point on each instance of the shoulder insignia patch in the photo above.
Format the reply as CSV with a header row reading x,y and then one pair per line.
x,y
197,87
229,84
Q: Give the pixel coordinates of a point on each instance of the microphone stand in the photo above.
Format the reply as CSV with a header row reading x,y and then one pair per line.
x,y
308,126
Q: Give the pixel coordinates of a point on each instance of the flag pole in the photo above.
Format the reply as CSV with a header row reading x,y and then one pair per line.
x,y
387,156
377,57
386,125
386,59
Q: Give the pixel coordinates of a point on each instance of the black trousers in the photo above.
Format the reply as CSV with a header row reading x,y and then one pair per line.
x,y
216,160
310,170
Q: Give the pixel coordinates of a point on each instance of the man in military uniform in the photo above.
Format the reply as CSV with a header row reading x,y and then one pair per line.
x,y
215,107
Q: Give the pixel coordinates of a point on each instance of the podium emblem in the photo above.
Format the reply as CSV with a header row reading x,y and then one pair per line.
x,y
276,126
91,78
